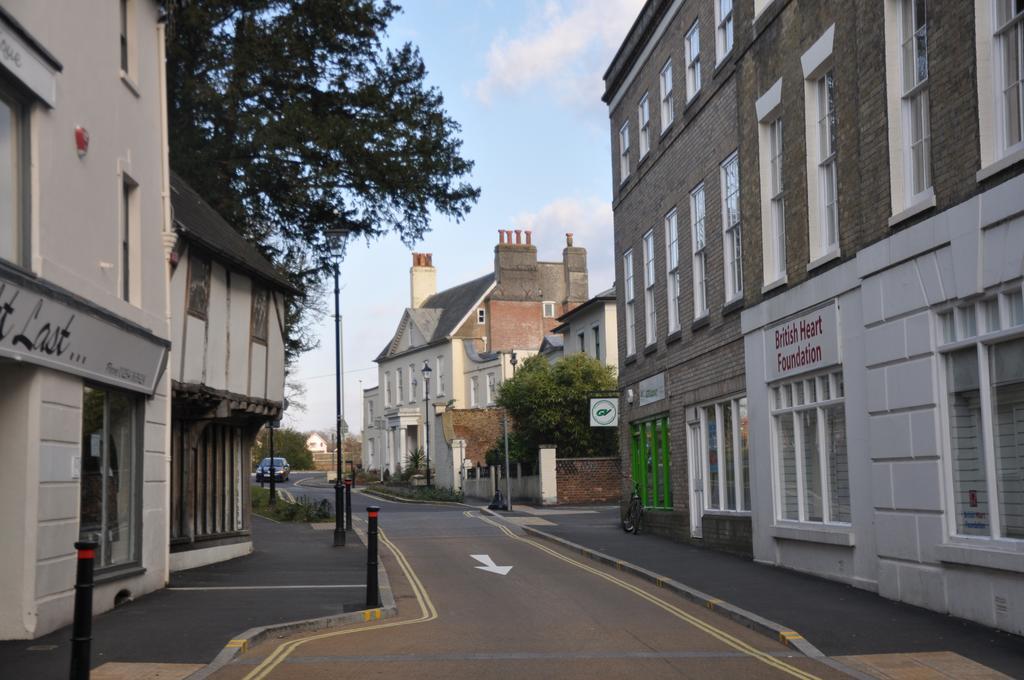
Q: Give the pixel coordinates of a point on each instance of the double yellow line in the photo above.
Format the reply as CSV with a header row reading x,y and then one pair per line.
x,y
711,630
427,613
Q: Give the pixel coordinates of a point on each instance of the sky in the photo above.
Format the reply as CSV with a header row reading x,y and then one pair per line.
x,y
524,80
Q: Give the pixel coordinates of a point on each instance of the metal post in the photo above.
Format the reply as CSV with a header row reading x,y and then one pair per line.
x,y
372,587
508,477
348,504
426,422
273,487
339,494
81,633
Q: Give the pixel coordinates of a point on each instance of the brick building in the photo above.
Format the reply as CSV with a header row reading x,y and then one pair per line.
x,y
880,254
467,335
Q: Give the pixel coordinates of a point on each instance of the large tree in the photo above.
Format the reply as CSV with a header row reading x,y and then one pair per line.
x,y
291,116
288,443
550,404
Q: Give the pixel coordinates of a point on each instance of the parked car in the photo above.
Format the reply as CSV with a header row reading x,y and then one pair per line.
x,y
281,470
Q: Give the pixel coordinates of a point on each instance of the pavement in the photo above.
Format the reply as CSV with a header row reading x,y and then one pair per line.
x,y
840,620
294,573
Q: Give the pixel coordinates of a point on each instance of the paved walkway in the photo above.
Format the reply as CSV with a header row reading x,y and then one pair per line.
x,y
839,620
294,573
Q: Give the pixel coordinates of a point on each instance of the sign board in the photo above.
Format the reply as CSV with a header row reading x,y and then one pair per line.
x,y
604,412
651,389
803,344
59,332
24,63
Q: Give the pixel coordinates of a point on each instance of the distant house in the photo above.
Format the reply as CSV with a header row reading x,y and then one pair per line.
x,y
592,329
466,335
322,451
227,377
315,443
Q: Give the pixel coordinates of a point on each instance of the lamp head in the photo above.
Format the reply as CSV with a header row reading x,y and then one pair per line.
x,y
513,360
426,370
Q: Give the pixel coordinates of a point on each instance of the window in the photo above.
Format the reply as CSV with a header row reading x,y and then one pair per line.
x,y
773,241
14,229
581,342
700,294
369,411
549,309
123,16
723,34
624,152
127,230
668,111
732,236
439,369
1009,43
985,415
492,389
651,311
672,269
412,383
913,19
597,342
651,462
481,316
644,122
474,391
810,449
827,190
260,314
693,61
627,266
387,390
198,286
111,446
720,437
398,382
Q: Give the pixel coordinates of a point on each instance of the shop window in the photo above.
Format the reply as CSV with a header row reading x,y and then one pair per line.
x,y
111,455
723,471
260,314
198,286
651,459
810,449
984,372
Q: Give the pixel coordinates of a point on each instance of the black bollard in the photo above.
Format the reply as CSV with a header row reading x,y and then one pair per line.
x,y
348,505
81,631
372,586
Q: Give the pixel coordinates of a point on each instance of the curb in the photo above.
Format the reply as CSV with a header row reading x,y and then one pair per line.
x,y
399,499
781,633
240,643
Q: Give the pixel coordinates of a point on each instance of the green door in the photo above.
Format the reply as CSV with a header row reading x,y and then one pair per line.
x,y
651,462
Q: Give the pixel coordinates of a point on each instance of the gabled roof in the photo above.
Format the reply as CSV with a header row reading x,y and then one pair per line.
x,y
441,314
197,221
603,296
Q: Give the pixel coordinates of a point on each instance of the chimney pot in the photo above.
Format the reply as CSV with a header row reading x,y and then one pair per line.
x,y
501,236
519,234
529,236
568,239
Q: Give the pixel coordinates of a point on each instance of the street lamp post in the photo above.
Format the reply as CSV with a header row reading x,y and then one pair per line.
x,y
508,474
426,413
337,238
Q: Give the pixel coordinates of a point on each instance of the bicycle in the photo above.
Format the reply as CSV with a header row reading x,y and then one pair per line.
x,y
634,512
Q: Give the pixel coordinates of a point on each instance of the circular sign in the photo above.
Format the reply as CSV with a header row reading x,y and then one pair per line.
x,y
603,411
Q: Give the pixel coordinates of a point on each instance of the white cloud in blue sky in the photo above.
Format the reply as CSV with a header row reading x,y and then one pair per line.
x,y
523,78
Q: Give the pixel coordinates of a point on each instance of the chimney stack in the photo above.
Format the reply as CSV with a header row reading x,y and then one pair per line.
x,y
422,279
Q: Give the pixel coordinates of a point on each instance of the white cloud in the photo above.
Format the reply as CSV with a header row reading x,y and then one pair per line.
x,y
589,220
566,47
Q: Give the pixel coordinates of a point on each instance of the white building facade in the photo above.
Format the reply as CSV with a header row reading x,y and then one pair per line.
x,y
84,333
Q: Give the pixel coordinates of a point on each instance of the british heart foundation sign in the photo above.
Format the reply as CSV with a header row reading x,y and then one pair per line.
x,y
806,343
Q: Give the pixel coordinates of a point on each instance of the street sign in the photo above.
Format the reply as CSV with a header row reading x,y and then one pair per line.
x,y
490,566
604,412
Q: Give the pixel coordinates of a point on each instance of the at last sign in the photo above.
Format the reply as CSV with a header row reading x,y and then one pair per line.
x,y
604,412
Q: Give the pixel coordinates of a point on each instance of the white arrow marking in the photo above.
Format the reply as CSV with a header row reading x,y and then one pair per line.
x,y
489,565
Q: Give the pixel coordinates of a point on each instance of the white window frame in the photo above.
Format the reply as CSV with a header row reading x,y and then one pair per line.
x,y
643,115
784,402
439,370
412,383
548,309
387,389
1004,31
698,222
668,108
650,307
624,152
474,391
828,180
703,443
18,156
692,47
481,316
770,138
128,240
401,389
816,63
630,302
732,230
672,269
963,327
596,330
492,390
724,28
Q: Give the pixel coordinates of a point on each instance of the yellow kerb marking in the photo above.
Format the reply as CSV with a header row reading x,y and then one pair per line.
x,y
788,635
712,602
241,644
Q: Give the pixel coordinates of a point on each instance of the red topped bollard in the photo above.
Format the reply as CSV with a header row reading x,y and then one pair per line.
x,y
81,630
372,585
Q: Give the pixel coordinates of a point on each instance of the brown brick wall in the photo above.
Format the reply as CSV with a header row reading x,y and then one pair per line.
x,y
481,428
588,480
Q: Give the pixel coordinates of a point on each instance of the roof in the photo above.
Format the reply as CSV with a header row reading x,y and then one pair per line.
x,y
440,314
552,344
196,220
603,296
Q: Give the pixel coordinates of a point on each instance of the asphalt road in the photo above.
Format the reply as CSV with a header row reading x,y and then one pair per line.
x,y
551,616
